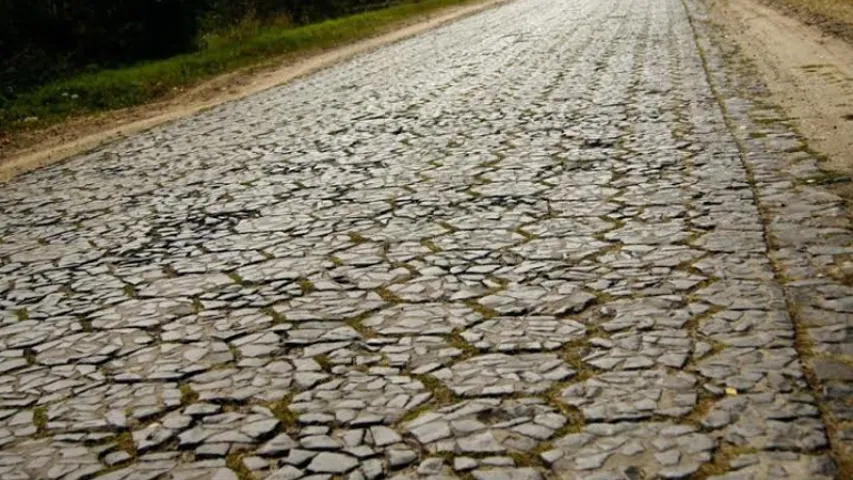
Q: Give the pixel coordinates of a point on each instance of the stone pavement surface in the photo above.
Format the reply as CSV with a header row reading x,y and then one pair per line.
x,y
558,239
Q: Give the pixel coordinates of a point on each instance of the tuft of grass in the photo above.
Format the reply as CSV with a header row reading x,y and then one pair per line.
x,y
22,314
198,307
720,463
144,82
188,395
357,238
124,441
388,296
455,340
325,362
357,324
276,316
289,420
86,324
236,278
234,461
441,395
484,311
40,420
430,245
306,286
30,356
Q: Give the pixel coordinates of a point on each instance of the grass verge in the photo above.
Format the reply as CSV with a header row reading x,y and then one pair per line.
x,y
138,84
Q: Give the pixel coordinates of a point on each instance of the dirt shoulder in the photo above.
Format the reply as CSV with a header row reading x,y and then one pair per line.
x,y
29,150
833,17
808,72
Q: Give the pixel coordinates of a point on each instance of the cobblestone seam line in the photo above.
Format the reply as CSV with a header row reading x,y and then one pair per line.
x,y
805,228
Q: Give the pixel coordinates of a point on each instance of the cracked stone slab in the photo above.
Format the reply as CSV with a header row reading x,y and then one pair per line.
x,y
169,361
780,464
329,306
551,298
421,319
633,395
486,426
270,380
653,450
769,421
499,374
112,406
360,399
529,333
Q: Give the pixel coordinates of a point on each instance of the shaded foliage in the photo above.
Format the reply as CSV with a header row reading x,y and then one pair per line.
x,y
42,40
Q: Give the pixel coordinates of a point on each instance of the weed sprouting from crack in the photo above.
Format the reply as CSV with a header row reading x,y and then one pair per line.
x,y
601,298
721,462
357,238
277,318
688,266
693,323
170,271
616,222
612,248
236,278
29,356
694,236
524,233
430,245
85,324
124,441
414,413
22,314
235,352
472,193
40,421
306,286
356,323
324,361
525,459
234,461
129,290
447,226
484,311
573,353
197,306
455,340
690,295
441,395
281,410
188,395
703,407
388,296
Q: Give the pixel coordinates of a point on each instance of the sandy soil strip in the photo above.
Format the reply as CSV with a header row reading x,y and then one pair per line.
x,y
36,149
809,73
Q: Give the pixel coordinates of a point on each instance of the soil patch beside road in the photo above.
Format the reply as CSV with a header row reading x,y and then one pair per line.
x,y
808,72
833,17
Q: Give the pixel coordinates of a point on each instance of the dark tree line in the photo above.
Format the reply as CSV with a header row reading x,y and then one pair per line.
x,y
41,40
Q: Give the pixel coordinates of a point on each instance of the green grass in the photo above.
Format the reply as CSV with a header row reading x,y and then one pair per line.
x,y
145,82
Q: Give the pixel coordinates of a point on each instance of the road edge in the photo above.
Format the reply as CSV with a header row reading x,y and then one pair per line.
x,y
42,155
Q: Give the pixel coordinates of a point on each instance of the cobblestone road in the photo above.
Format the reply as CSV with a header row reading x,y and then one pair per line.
x,y
558,239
